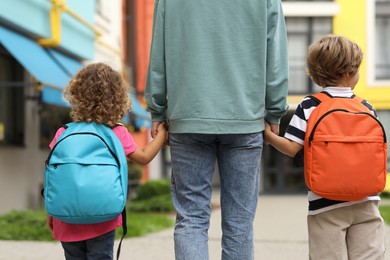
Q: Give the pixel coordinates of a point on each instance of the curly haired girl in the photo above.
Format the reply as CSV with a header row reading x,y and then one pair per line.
x,y
97,93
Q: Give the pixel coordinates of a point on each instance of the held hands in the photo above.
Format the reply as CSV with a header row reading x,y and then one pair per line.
x,y
154,131
146,154
282,144
269,131
159,129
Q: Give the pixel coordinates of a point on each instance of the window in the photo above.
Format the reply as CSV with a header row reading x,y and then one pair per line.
x,y
384,117
52,117
382,40
302,31
11,100
102,9
378,40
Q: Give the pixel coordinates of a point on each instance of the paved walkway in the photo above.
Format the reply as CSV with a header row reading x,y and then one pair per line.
x,y
280,234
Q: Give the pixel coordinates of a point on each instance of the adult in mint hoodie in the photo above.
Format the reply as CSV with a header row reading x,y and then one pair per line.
x,y
218,69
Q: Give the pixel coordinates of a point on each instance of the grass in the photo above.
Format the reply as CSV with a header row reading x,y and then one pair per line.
x,y
385,207
31,225
140,224
149,212
24,225
385,212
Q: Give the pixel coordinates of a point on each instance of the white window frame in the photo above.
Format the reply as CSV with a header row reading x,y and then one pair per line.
x,y
310,9
370,53
305,9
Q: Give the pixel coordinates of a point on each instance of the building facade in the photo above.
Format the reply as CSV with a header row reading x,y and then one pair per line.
x,y
43,43
367,22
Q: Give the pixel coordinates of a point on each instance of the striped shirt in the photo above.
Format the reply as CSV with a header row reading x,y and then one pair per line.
x,y
296,132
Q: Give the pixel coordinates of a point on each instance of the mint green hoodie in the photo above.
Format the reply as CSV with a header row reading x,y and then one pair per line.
x,y
217,66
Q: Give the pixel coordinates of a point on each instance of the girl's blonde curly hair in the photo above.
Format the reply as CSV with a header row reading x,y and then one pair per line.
x,y
330,58
97,93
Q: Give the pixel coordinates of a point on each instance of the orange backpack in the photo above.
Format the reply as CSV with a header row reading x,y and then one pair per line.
x,y
345,150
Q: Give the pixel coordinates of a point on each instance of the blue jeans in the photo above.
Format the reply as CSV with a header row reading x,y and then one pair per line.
x,y
193,162
98,248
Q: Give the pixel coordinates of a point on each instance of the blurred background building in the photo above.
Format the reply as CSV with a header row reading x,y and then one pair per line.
x,y
367,22
44,42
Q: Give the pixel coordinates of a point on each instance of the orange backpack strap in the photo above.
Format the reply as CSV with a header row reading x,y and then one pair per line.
x,y
322,96
357,98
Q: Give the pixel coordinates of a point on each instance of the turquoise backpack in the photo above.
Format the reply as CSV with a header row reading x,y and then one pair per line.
x,y
86,176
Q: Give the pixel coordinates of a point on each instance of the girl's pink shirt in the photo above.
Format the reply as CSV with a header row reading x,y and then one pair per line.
x,y
66,232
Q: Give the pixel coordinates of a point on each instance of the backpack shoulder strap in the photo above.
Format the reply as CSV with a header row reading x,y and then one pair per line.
x,y
359,99
366,106
321,97
124,227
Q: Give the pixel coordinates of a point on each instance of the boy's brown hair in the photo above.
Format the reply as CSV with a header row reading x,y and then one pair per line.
x,y
330,58
99,94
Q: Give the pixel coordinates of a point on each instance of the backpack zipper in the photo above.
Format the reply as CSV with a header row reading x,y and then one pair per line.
x,y
83,133
347,111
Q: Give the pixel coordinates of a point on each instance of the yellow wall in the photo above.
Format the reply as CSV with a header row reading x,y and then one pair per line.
x,y
352,23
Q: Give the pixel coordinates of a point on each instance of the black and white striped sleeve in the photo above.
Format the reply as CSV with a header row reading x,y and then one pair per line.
x,y
297,127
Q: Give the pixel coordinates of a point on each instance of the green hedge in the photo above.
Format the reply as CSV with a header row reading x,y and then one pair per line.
x,y
152,189
143,216
153,196
25,225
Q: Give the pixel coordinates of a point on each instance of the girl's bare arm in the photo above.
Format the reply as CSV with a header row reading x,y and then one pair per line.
x,y
146,154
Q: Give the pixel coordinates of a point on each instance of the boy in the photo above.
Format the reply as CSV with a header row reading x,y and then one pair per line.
x,y
337,229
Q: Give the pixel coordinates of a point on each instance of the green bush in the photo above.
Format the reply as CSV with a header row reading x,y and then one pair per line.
x,y
152,189
25,225
385,195
153,197
160,203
